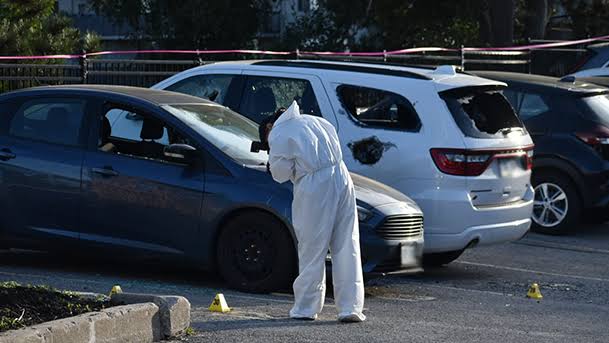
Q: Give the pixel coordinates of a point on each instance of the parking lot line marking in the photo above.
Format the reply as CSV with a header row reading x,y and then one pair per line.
x,y
409,300
560,246
466,289
589,278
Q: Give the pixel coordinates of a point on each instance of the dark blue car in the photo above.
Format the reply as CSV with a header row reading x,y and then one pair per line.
x,y
155,173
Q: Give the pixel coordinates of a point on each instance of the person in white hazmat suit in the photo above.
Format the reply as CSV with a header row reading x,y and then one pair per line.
x,y
305,150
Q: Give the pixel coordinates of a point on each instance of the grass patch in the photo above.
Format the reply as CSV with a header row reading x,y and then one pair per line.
x,y
25,305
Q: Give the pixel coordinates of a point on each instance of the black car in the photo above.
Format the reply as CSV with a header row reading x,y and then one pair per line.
x,y
569,123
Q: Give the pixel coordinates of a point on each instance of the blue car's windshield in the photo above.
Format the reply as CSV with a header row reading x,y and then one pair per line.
x,y
227,130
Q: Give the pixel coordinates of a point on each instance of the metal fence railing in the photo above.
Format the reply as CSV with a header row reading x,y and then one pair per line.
x,y
146,72
139,73
128,72
517,61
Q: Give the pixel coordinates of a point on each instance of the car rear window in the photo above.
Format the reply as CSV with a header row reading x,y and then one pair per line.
x,y
482,113
596,108
52,120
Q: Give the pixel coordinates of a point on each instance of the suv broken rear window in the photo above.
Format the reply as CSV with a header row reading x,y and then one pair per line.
x,y
482,113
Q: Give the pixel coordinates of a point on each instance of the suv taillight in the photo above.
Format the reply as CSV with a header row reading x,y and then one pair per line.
x,y
597,136
462,162
529,158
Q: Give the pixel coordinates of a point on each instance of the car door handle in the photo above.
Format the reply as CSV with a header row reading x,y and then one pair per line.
x,y
6,154
105,171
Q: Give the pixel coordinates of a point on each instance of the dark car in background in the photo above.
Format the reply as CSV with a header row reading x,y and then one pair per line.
x,y
597,56
569,123
139,172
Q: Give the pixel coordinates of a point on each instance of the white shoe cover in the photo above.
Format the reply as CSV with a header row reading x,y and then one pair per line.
x,y
352,318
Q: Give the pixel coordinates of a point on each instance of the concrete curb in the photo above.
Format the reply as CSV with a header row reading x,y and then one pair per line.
x,y
131,323
174,311
142,318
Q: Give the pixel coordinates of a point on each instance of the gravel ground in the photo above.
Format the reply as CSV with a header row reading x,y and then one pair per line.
x,y
479,298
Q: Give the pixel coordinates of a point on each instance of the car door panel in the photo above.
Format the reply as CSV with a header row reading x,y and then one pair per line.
x,y
142,204
41,189
40,169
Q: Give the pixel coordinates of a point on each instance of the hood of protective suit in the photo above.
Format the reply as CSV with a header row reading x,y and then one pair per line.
x,y
292,112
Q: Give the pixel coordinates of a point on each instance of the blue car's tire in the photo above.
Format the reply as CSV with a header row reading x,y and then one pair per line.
x,y
255,253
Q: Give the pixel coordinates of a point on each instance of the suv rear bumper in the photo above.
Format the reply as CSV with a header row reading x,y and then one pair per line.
x,y
453,223
478,235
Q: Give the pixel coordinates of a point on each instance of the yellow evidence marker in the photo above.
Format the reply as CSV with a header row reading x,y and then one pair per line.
x,y
115,290
219,304
534,292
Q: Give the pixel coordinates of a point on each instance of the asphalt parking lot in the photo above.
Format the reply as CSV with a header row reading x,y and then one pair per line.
x,y
479,298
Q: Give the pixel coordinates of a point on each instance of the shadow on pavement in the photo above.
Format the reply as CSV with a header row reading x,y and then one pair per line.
x,y
145,270
240,324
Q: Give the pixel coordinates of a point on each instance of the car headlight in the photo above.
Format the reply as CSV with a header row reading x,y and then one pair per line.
x,y
363,214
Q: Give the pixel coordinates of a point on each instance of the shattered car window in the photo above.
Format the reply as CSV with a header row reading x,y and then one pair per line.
x,y
210,87
378,108
264,95
481,113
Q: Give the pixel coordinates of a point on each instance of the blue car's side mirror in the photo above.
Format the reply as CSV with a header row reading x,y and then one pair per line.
x,y
180,152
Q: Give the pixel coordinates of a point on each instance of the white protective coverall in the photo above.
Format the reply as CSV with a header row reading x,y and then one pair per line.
x,y
305,150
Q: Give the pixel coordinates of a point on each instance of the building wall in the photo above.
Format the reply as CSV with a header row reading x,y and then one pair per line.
x,y
74,7
282,14
113,37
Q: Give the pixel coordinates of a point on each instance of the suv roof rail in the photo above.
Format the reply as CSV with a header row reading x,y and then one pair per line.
x,y
360,60
568,79
343,66
445,70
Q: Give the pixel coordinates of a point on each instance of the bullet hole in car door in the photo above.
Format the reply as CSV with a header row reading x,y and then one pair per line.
x,y
369,150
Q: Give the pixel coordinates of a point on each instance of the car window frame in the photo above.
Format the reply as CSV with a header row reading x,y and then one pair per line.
x,y
10,105
104,105
244,96
524,95
20,101
110,108
361,124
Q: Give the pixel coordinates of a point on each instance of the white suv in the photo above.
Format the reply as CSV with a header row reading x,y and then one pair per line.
x,y
449,140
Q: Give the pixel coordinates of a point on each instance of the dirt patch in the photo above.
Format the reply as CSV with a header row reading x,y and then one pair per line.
x,y
386,292
22,306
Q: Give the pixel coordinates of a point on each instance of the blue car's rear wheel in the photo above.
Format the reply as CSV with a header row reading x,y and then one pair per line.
x,y
256,253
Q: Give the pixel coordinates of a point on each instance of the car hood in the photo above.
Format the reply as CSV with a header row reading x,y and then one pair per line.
x,y
377,194
371,192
